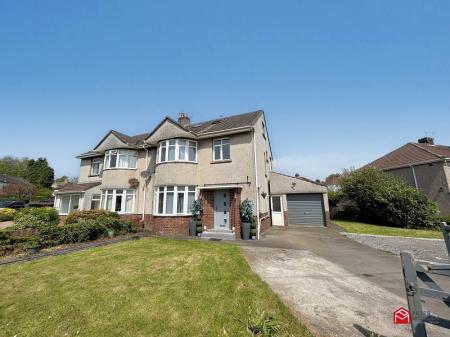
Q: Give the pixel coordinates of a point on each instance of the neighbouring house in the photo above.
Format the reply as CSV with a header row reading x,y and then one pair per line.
x,y
154,177
423,165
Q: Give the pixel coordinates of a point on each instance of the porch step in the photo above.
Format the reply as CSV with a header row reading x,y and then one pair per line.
x,y
218,234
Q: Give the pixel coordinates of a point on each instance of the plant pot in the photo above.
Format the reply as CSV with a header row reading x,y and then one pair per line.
x,y
193,228
111,233
245,230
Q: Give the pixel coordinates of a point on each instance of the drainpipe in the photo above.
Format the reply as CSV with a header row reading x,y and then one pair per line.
x,y
258,225
414,175
145,182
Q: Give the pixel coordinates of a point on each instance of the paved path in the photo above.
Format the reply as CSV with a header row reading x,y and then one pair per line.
x,y
422,249
4,224
336,285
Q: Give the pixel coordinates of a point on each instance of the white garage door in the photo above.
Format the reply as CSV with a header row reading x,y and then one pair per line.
x,y
305,209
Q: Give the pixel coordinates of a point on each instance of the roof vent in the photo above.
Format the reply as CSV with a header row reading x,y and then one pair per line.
x,y
183,119
426,140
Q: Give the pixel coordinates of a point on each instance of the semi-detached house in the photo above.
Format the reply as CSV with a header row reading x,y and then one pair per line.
x,y
154,177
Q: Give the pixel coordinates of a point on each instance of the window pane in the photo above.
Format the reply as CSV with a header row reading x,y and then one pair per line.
x,y
225,141
95,201
65,199
123,161
226,151
193,144
191,198
217,153
132,161
109,199
170,188
118,207
182,152
75,202
171,152
163,153
169,203
161,203
129,203
180,203
276,204
191,188
112,160
192,153
217,142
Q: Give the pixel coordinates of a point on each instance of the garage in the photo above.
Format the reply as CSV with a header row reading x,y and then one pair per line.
x,y
305,209
298,201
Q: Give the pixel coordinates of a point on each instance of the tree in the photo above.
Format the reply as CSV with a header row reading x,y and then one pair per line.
x,y
384,199
40,173
20,190
12,166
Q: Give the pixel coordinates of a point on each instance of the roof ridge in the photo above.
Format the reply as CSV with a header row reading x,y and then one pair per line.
x,y
231,116
427,150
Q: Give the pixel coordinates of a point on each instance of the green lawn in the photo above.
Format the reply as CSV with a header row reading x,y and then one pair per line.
x,y
148,287
364,228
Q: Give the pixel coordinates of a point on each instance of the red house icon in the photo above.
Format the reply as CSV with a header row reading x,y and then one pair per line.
x,y
402,316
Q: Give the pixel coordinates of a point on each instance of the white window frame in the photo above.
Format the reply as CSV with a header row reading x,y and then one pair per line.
x,y
114,194
128,154
96,197
58,202
166,143
221,148
96,161
163,190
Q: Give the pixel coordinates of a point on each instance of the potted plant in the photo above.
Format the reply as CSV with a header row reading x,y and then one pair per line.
x,y
246,211
253,229
195,211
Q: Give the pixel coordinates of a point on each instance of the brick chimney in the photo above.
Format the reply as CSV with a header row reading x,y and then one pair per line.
x,y
426,140
183,119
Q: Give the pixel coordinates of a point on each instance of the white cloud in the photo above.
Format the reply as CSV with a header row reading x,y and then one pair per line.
x,y
319,166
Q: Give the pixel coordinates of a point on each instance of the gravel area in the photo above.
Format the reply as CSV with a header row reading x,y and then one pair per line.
x,y
4,224
422,249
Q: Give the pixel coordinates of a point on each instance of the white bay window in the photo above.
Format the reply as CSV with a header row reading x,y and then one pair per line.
x,y
118,200
126,159
174,200
67,203
177,150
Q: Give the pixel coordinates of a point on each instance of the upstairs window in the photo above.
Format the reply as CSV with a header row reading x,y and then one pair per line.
x,y
177,150
221,149
96,166
121,159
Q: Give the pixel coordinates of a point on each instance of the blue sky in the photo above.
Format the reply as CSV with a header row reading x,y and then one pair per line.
x,y
341,82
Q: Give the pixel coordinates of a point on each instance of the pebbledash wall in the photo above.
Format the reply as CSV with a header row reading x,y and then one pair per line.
x,y
240,170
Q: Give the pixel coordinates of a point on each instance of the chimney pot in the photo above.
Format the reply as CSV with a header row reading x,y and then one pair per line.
x,y
183,119
426,140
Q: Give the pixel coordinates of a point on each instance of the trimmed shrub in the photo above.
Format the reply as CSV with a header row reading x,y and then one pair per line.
x,y
93,214
36,217
79,232
253,232
199,229
387,200
7,214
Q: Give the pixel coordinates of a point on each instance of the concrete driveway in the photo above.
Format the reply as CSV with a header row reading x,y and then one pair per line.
x,y
336,285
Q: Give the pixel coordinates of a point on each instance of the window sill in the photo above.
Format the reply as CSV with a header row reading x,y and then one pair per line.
x,y
119,168
172,215
221,161
94,176
177,162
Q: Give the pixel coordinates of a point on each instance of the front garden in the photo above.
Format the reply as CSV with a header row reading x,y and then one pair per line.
x,y
149,287
37,228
